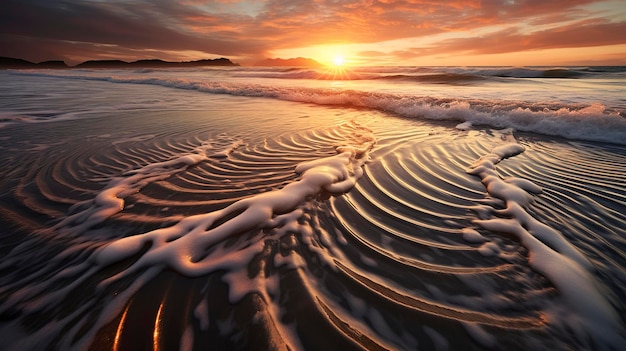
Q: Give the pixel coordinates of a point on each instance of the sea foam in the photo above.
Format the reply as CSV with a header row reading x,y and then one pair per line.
x,y
195,246
110,200
591,122
183,245
549,253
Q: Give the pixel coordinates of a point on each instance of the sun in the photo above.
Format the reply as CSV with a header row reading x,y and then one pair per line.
x,y
336,69
338,60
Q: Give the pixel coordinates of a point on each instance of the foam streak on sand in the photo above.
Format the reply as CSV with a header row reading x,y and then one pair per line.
x,y
195,246
166,216
184,245
191,246
111,199
550,254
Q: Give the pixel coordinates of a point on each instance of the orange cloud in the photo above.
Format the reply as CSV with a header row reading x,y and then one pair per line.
x,y
580,34
249,30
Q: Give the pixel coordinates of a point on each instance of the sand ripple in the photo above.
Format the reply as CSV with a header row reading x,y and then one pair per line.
x,y
392,259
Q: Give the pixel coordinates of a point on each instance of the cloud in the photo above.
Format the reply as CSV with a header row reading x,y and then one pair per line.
x,y
371,53
587,33
126,26
246,29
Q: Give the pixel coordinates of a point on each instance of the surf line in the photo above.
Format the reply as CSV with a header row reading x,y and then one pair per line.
x,y
550,254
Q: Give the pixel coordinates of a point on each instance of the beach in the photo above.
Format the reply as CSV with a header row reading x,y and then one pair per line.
x,y
437,208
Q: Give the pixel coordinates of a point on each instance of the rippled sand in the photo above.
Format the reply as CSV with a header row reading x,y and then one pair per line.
x,y
246,223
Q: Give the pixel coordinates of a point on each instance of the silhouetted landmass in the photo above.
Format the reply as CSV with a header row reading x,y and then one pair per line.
x,y
150,63
214,62
154,63
103,64
52,64
292,62
9,62
14,63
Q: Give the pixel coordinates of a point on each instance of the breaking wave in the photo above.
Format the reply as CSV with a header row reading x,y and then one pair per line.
x,y
593,122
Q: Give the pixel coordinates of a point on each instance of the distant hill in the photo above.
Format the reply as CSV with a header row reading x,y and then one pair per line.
x,y
9,62
102,64
14,63
214,62
52,64
293,62
155,63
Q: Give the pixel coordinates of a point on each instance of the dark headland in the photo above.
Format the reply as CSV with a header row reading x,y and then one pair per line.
x,y
15,63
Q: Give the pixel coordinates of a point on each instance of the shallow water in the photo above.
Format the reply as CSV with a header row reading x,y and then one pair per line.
x,y
138,216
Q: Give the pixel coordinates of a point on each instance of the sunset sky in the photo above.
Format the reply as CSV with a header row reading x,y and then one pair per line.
x,y
365,32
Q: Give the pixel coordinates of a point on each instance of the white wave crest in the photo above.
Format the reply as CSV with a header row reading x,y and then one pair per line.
x,y
591,122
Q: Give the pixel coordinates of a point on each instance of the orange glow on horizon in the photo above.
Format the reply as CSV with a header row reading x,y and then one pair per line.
x,y
331,55
350,55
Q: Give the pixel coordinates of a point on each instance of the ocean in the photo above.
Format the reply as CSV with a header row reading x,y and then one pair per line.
x,y
238,208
